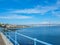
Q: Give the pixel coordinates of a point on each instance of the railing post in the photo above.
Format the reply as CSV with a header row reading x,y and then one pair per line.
x,y
15,38
34,41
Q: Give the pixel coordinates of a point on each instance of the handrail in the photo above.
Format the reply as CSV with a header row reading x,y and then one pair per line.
x,y
13,40
34,39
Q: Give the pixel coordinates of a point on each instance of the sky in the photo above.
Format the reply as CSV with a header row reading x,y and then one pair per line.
x,y
30,11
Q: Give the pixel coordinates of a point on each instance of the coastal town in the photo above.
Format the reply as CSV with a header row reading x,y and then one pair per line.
x,y
12,26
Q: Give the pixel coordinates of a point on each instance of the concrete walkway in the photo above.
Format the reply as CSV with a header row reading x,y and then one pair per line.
x,y
4,40
1,41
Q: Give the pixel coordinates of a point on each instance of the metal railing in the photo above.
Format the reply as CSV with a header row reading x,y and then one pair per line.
x,y
34,39
9,37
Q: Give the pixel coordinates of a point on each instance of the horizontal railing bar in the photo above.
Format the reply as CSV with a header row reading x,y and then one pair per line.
x,y
13,40
43,42
34,39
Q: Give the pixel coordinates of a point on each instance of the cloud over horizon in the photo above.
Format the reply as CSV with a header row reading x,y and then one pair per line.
x,y
15,17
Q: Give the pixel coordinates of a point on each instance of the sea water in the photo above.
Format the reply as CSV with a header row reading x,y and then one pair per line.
x,y
49,34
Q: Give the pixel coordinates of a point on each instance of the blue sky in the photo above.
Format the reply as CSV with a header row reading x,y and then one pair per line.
x,y
30,11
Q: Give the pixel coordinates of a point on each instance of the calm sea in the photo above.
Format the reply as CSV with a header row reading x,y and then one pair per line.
x,y
49,34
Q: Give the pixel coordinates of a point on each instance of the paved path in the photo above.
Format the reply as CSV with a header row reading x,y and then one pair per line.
x,y
1,40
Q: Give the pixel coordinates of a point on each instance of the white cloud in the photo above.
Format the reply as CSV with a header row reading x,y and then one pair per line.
x,y
38,9
35,10
42,22
26,11
55,13
45,22
15,17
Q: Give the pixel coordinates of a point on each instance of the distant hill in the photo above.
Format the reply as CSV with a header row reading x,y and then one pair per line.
x,y
45,25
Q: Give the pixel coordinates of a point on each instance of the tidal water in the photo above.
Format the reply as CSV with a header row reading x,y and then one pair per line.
x,y
49,34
